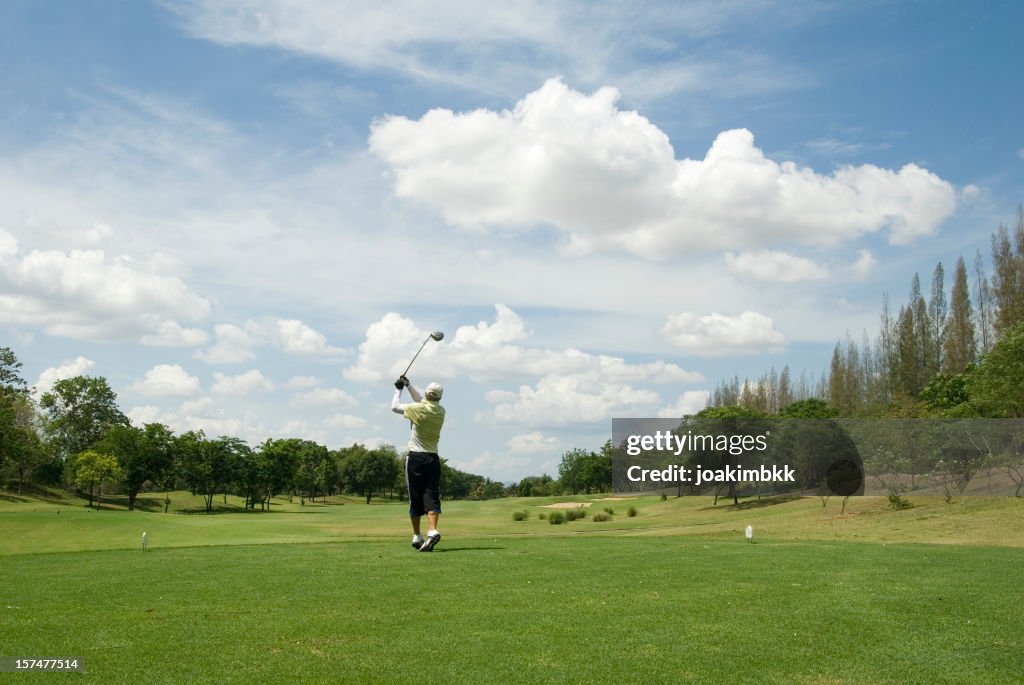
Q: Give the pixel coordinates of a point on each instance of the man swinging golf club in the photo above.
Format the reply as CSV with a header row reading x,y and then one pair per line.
x,y
422,465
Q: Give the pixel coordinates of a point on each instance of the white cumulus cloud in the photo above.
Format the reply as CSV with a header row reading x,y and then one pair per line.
x,y
241,384
774,267
689,403
321,397
168,380
489,351
234,345
531,443
295,337
565,399
609,178
85,294
79,366
864,265
717,335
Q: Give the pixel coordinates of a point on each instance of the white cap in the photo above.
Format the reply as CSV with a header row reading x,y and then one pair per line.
x,y
434,391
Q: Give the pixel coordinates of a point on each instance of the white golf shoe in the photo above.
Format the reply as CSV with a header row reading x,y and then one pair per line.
x,y
433,537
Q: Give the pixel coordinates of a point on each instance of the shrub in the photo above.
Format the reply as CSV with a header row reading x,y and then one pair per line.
x,y
896,499
520,515
573,514
609,511
541,515
664,497
601,517
632,511
556,518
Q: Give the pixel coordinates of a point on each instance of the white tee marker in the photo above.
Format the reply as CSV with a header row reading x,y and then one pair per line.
x,y
750,533
145,542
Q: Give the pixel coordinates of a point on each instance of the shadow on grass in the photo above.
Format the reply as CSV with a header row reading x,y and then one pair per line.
x,y
465,549
11,497
232,509
754,503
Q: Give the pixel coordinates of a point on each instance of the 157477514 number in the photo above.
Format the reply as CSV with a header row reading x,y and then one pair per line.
x,y
12,664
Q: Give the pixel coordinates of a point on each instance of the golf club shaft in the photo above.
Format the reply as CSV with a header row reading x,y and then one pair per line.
x,y
416,355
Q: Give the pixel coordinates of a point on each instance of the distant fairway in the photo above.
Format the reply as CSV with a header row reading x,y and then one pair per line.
x,y
672,595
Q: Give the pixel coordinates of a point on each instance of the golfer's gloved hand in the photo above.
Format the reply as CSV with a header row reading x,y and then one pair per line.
x,y
401,382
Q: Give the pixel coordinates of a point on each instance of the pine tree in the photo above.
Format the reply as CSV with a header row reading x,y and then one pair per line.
x,y
1008,275
960,346
938,310
785,394
985,304
923,331
908,354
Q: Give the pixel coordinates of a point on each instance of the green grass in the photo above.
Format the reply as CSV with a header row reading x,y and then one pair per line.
x,y
672,595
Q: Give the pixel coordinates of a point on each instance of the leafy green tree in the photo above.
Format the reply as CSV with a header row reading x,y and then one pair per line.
x,y
79,411
10,372
145,454
996,386
367,471
209,466
947,394
309,455
282,464
91,469
570,470
250,474
722,421
810,408
21,449
534,486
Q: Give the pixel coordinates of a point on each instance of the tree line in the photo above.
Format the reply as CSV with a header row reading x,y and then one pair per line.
x,y
76,436
959,354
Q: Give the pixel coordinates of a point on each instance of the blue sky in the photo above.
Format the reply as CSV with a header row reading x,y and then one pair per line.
x,y
248,215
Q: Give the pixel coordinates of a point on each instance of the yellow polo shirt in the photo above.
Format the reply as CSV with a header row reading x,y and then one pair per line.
x,y
427,417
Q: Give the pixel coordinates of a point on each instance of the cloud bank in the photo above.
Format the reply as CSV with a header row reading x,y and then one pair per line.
x,y
608,178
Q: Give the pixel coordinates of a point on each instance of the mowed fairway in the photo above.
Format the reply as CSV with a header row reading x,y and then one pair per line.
x,y
630,600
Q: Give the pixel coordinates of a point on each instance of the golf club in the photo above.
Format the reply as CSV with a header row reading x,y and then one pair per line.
x,y
436,335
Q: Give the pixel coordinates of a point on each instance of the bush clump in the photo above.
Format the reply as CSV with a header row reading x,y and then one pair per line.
x,y
520,515
556,518
574,514
609,511
632,512
601,517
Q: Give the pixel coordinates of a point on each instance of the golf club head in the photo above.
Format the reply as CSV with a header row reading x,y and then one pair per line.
x,y
437,335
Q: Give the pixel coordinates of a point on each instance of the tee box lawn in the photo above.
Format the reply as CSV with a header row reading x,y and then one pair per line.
x,y
333,592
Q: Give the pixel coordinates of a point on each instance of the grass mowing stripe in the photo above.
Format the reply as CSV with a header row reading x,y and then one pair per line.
x,y
534,610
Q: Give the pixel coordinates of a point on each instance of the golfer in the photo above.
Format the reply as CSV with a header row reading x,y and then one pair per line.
x,y
422,465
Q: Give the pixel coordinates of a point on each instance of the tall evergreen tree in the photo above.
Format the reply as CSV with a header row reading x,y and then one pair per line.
x,y
1008,275
923,331
905,372
938,310
959,344
985,304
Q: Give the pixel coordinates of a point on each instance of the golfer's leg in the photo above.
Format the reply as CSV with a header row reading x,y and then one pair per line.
x,y
431,519
416,524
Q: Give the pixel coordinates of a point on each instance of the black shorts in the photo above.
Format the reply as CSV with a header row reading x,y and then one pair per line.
x,y
423,475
